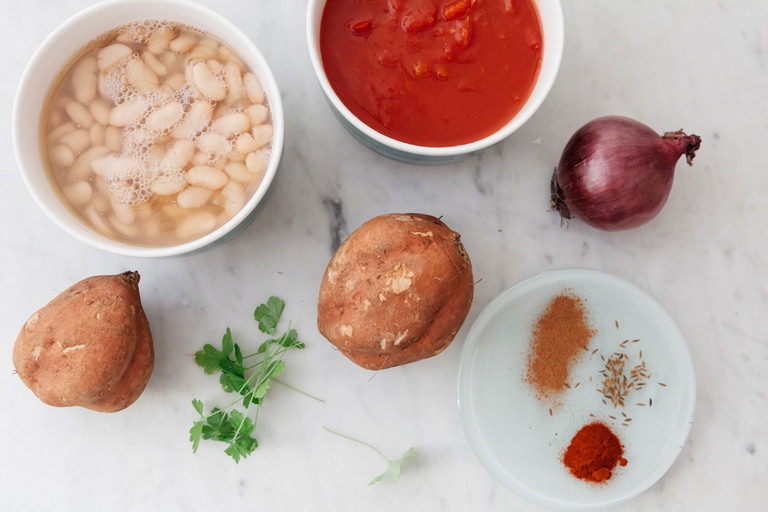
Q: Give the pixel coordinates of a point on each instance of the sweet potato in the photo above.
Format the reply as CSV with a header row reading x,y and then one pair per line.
x,y
396,291
90,346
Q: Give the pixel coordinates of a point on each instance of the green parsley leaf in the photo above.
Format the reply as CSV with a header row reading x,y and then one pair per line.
x,y
195,433
226,343
238,355
198,405
231,382
210,359
269,314
241,448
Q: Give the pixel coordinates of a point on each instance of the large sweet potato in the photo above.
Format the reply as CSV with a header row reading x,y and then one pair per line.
x,y
396,291
90,346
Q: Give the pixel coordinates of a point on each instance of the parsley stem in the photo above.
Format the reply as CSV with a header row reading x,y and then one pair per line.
x,y
298,390
357,441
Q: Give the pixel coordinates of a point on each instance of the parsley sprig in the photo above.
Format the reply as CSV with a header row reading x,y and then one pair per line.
x,y
394,467
250,381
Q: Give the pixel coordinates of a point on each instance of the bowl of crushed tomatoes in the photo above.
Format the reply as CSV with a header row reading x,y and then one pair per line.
x,y
431,82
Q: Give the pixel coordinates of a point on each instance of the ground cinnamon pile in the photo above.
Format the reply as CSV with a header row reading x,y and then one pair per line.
x,y
593,453
560,335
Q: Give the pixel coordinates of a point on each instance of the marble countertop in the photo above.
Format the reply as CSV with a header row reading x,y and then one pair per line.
x,y
701,65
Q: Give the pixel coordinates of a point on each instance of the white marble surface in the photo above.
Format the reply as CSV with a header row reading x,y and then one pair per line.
x,y
701,65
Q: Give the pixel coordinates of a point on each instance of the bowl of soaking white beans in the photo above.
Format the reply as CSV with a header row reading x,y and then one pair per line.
x,y
149,128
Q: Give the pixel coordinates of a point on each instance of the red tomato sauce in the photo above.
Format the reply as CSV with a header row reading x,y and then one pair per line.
x,y
432,72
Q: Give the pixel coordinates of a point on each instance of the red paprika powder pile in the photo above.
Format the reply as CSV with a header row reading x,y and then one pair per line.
x,y
593,453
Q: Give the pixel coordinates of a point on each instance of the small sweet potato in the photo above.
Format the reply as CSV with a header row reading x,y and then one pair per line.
x,y
90,346
396,291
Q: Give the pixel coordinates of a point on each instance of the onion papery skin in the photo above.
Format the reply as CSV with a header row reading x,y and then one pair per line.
x,y
616,173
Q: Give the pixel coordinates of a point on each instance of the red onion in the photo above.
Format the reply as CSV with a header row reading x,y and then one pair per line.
x,y
616,173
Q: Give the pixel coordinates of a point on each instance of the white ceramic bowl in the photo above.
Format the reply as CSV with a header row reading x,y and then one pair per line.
x,y
59,48
551,14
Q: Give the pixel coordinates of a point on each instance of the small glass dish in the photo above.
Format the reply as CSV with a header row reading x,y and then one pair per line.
x,y
520,439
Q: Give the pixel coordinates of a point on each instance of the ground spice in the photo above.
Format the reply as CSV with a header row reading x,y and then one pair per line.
x,y
560,335
593,453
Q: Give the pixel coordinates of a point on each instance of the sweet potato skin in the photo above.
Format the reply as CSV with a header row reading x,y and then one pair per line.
x,y
91,346
396,291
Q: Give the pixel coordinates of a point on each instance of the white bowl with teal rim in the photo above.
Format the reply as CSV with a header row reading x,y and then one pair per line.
x,y
551,15
47,64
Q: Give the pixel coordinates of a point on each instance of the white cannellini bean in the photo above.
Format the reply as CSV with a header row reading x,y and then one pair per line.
x,y
183,43
101,85
155,65
246,144
165,117
194,197
206,82
84,80
125,38
159,43
98,135
128,230
179,154
198,116
215,66
253,88
174,211
79,114
199,159
167,186
230,124
56,118
112,54
206,176
262,134
114,139
77,140
232,208
122,211
93,216
238,171
231,56
100,111
60,131
212,142
203,51
101,166
140,76
111,165
170,59
175,81
195,224
234,197
258,114
157,47
235,86
61,102
128,111
233,191
82,167
62,155
78,193
257,162
99,202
